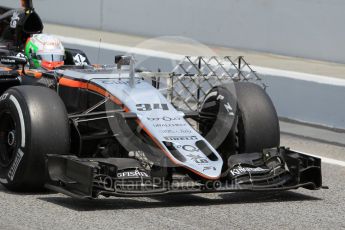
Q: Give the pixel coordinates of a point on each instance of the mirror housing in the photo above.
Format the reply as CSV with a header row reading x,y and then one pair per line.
x,y
121,60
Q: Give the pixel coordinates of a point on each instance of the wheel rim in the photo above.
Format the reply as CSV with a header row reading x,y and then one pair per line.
x,y
8,139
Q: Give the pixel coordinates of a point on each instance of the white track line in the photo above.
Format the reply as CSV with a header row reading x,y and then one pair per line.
x,y
327,160
300,76
165,55
115,47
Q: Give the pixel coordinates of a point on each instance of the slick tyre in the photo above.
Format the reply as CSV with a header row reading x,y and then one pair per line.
x,y
33,123
257,123
244,119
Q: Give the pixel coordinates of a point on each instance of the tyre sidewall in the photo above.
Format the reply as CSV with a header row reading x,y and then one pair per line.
x,y
222,130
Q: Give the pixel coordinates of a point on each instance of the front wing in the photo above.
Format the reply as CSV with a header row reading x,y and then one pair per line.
x,y
272,170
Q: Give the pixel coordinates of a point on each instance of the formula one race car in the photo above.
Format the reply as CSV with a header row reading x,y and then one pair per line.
x,y
94,130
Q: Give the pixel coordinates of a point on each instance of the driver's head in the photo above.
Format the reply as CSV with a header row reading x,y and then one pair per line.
x,y
45,51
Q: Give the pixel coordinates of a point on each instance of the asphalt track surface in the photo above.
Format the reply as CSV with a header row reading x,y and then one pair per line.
x,y
298,209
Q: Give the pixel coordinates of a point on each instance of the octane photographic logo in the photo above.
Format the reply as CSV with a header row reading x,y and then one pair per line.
x,y
185,92
144,183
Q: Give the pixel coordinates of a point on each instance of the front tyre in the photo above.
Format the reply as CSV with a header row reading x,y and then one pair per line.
x,y
246,123
258,123
33,123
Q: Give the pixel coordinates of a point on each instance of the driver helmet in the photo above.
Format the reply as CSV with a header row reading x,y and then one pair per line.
x,y
45,51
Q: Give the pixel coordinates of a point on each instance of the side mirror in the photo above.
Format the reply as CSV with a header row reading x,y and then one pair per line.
x,y
13,60
127,61
121,60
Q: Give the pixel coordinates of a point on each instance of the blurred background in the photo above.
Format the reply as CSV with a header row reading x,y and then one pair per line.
x,y
297,46
302,28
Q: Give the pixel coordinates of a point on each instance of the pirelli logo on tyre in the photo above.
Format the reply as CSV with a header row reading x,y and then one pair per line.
x,y
15,164
177,138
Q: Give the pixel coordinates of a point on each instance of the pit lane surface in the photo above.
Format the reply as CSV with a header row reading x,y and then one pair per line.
x,y
300,209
